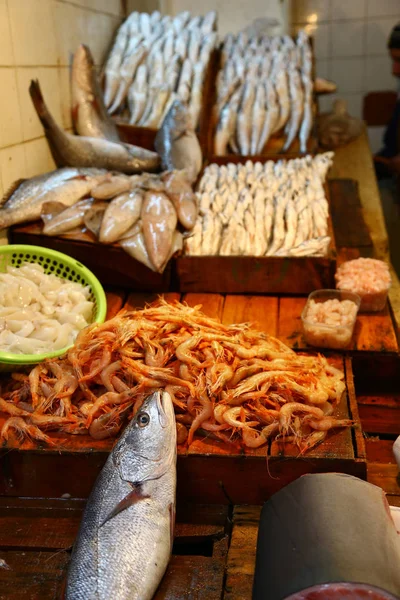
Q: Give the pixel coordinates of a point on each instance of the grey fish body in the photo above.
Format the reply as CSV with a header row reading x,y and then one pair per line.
x,y
27,201
177,143
124,545
77,151
88,110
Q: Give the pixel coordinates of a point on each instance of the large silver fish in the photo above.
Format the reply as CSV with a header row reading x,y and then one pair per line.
x,y
177,143
64,185
125,538
77,151
89,113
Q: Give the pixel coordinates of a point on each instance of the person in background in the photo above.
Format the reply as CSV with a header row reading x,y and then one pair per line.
x,y
387,160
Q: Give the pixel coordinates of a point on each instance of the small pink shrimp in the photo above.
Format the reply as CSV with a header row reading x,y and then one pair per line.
x,y
254,439
231,417
97,366
206,412
108,373
289,409
312,440
327,423
24,429
107,399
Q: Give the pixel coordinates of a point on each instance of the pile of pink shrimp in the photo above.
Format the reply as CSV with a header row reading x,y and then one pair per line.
x,y
228,382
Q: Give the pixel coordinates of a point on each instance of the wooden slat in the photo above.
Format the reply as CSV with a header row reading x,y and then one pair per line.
x,y
348,221
289,321
115,301
242,553
211,304
262,311
338,443
373,332
379,451
360,450
138,300
23,527
32,575
379,414
187,575
385,477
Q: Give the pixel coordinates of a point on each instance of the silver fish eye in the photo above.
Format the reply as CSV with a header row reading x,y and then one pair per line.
x,y
143,419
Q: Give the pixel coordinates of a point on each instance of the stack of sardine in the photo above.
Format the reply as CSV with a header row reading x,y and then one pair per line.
x,y
140,212
255,209
264,85
156,59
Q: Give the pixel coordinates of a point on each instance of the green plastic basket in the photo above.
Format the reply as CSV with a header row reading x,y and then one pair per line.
x,y
62,266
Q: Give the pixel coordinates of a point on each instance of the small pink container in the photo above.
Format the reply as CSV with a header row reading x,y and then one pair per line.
x,y
351,277
323,335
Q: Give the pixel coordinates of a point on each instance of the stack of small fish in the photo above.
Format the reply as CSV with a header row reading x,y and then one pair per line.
x,y
156,59
265,84
141,212
255,209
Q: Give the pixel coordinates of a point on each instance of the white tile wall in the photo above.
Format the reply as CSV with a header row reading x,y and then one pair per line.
x,y
381,8
350,44
37,40
348,9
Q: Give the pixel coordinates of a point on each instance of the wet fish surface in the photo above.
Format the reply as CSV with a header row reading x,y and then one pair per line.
x,y
125,538
89,113
65,186
177,143
80,151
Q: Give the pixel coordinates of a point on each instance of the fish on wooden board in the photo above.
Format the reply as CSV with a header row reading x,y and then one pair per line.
x,y
79,151
126,533
89,113
67,186
177,143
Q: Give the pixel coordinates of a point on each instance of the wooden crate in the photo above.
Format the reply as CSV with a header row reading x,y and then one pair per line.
x,y
277,140
259,274
110,263
145,136
36,537
209,471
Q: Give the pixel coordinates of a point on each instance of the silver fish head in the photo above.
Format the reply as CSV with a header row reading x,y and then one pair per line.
x,y
147,447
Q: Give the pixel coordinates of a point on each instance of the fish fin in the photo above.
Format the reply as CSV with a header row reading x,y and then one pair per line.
x,y
38,101
9,192
134,496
